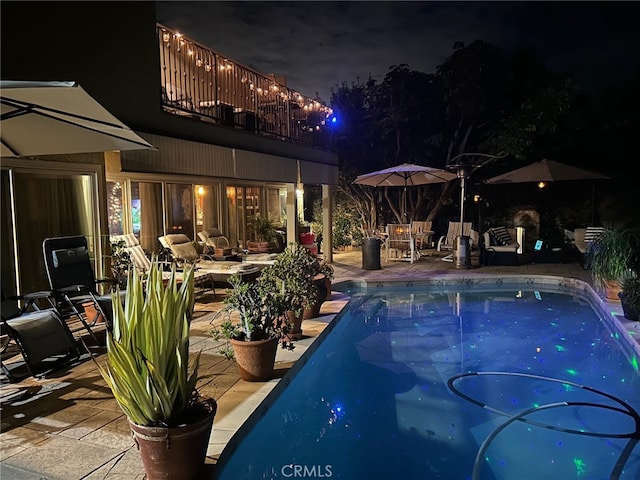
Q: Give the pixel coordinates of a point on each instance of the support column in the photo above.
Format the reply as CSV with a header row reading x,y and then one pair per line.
x,y
292,214
327,223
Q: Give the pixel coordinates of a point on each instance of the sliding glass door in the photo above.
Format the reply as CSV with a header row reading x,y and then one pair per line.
x,y
38,204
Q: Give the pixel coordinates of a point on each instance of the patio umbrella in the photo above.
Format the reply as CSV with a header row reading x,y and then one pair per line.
x,y
549,171
405,175
546,171
48,118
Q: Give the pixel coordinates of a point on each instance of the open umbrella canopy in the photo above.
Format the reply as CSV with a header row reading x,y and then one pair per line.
x,y
405,175
545,171
48,118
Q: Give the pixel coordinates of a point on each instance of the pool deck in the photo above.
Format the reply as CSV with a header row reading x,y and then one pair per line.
x,y
68,426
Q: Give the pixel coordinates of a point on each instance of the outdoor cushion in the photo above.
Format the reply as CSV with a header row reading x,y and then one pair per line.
x,y
500,235
185,251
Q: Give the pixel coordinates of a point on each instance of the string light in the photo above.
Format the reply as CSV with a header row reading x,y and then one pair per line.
x,y
269,91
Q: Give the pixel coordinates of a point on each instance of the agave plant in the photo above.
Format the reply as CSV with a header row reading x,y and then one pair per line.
x,y
149,369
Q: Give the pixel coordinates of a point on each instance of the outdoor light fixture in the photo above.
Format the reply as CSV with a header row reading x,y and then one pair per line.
x,y
541,185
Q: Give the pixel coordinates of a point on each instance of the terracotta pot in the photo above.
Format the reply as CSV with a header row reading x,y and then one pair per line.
x,y
327,284
611,291
255,359
296,325
259,247
90,311
175,453
321,294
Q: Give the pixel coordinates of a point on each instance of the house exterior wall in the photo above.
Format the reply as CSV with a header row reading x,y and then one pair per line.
x,y
111,50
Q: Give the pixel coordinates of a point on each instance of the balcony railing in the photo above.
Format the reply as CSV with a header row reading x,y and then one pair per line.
x,y
199,83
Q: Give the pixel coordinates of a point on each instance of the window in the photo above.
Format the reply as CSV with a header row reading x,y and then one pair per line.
x,y
180,209
146,213
49,204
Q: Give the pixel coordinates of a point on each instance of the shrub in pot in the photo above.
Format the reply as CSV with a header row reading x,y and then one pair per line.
x,y
153,376
613,256
264,234
293,272
259,325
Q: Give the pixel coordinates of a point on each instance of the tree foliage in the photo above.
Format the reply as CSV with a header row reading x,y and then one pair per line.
x,y
481,107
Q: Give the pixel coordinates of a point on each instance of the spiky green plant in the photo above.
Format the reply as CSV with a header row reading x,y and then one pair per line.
x,y
149,369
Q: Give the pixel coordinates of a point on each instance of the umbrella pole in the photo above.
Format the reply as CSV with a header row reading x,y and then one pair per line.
x,y
462,187
404,202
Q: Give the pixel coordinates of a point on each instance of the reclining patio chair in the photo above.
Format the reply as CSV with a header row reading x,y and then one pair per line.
x,y
215,243
73,282
139,258
184,250
41,336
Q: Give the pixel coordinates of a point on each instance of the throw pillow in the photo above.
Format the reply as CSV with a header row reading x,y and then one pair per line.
x,y
501,235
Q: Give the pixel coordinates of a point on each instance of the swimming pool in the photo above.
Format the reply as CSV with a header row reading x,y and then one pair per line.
x,y
453,381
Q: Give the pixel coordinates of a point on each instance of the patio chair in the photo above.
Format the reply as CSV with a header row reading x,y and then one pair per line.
x,y
422,232
42,337
446,242
400,244
582,239
183,250
216,244
142,262
73,283
499,247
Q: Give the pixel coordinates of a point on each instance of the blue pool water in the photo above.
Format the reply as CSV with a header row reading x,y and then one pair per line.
x,y
437,382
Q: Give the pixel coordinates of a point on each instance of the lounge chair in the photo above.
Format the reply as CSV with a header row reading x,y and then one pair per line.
x,y
582,240
73,282
184,250
446,242
42,336
138,256
216,244
499,247
400,243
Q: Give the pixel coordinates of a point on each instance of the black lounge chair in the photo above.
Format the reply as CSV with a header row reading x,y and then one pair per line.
x,y
42,336
73,282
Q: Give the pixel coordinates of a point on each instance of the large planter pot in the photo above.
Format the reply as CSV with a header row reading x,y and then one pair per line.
x,y
327,284
296,325
629,312
255,359
259,247
175,453
321,294
611,291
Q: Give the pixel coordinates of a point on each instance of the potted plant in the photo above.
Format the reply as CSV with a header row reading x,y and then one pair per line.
x,y
120,262
294,271
612,257
259,325
264,234
153,376
630,297
321,276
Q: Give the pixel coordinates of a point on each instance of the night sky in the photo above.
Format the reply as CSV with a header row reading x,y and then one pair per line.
x,y
318,45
